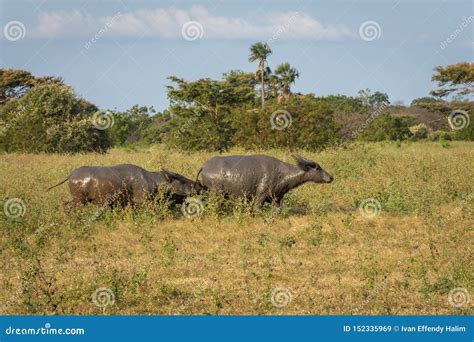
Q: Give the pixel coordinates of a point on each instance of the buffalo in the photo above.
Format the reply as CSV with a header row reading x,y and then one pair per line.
x,y
124,184
258,177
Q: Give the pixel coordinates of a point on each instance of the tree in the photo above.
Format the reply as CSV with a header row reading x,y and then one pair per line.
x,y
50,118
454,79
387,127
201,111
303,122
344,104
378,99
373,100
15,83
432,104
285,76
259,52
131,126
243,84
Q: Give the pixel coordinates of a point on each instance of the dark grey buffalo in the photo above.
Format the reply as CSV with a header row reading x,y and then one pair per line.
x,y
125,183
258,177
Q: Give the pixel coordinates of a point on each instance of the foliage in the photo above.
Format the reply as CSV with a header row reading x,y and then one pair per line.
x,y
454,79
259,52
305,122
50,118
15,83
439,135
419,131
375,99
242,84
467,132
285,75
387,127
201,112
215,115
131,126
432,104
344,104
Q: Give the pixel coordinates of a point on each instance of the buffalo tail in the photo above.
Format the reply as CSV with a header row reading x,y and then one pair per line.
x,y
58,184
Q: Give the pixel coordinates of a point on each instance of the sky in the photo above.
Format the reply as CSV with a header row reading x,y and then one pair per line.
x,y
119,53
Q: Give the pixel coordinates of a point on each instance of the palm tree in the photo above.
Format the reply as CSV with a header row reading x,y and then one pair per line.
x,y
285,76
259,52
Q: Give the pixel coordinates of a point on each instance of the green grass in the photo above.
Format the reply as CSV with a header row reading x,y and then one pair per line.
x,y
331,258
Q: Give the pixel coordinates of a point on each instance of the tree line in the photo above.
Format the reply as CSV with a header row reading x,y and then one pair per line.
x,y
251,110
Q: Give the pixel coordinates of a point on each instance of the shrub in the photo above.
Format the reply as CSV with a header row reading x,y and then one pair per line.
x,y
387,127
131,126
439,135
419,131
50,118
467,132
302,122
201,113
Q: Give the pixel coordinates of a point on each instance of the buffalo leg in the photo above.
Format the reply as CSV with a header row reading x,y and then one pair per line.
x,y
259,200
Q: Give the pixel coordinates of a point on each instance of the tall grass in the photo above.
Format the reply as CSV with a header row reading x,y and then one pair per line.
x,y
329,257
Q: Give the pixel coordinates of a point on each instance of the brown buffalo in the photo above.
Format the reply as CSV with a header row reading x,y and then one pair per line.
x,y
125,183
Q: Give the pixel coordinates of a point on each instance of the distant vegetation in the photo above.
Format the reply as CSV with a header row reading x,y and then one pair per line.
x,y
250,110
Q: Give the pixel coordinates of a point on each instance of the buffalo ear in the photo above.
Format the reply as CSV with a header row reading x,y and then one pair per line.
x,y
303,164
199,186
167,174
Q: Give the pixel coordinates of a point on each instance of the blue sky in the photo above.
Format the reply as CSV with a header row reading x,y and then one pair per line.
x,y
120,53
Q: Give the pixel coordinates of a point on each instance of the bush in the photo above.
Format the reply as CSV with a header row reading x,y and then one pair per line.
x,y
467,122
131,126
419,131
50,118
302,122
201,113
387,127
439,135
199,129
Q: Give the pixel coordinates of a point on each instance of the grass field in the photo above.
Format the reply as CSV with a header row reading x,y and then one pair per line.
x,y
320,254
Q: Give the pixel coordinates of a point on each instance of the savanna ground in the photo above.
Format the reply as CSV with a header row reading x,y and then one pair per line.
x,y
320,248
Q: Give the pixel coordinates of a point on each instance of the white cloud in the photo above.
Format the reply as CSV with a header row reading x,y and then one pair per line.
x,y
167,23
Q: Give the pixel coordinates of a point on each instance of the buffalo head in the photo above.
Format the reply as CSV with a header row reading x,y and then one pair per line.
x,y
313,171
180,185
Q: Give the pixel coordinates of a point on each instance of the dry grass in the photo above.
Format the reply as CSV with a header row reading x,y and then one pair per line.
x,y
331,259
